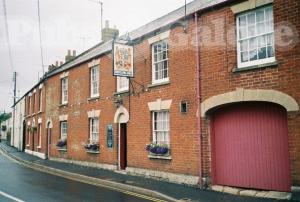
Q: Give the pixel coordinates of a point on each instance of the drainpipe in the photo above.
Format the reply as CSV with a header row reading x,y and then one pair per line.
x,y
198,87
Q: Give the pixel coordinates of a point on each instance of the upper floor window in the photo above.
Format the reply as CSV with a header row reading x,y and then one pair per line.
x,y
122,84
40,100
63,130
64,90
28,105
160,121
33,103
160,62
94,81
94,130
255,37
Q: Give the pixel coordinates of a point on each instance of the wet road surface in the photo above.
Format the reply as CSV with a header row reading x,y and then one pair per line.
x,y
25,184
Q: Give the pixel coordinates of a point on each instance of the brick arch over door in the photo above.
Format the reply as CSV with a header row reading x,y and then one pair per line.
x,y
246,95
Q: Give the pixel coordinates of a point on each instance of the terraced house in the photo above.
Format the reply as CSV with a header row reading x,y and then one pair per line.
x,y
215,89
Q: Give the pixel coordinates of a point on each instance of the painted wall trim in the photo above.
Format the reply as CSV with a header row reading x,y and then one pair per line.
x,y
121,115
159,37
64,75
49,123
40,120
63,117
248,5
94,63
94,113
245,95
159,105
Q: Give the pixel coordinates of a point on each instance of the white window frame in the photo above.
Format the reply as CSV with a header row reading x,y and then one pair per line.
x,y
40,135
63,130
29,107
165,128
28,139
94,81
94,130
33,102
121,88
258,61
40,100
154,80
64,90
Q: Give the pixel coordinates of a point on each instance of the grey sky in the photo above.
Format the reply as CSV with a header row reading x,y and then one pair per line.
x,y
66,24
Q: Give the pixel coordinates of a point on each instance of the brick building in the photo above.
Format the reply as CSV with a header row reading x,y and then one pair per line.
x,y
250,94
218,87
35,134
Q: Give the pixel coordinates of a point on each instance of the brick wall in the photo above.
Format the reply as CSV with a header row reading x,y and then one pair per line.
x,y
218,59
36,114
183,138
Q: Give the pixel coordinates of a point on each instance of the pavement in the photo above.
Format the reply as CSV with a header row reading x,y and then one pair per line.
x,y
150,187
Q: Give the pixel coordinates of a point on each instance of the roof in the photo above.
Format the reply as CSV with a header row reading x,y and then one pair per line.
x,y
148,28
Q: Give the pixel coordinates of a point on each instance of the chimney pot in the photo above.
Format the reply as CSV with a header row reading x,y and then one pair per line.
x,y
74,53
69,52
61,63
106,24
56,63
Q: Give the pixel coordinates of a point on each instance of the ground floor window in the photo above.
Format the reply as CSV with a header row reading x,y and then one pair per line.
x,y
39,135
161,129
63,130
28,138
94,130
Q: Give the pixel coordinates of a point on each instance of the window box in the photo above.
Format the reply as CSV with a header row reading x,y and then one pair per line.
x,y
32,129
62,144
156,149
92,148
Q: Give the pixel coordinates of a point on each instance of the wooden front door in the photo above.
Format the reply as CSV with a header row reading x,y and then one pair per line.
x,y
250,147
123,146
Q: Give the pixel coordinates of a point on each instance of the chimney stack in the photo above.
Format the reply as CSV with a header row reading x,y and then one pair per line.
x,y
109,33
70,56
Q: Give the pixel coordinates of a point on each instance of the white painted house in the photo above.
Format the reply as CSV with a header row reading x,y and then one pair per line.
x,y
18,121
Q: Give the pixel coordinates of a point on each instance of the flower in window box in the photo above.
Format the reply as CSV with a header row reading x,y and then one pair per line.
x,y
32,129
62,143
92,146
3,128
157,149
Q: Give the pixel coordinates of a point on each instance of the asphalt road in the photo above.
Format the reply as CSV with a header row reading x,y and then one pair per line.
x,y
19,183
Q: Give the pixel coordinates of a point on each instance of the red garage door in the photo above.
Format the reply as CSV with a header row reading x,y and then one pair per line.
x,y
250,147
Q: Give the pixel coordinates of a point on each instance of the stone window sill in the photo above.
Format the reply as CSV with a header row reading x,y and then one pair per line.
x,y
254,67
63,105
121,92
94,98
158,84
39,147
39,112
166,157
62,149
27,145
92,152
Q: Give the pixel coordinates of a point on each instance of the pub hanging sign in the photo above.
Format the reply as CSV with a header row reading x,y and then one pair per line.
x,y
123,60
